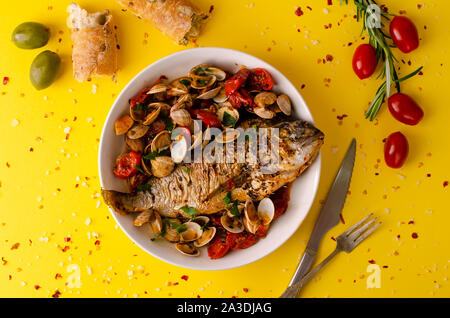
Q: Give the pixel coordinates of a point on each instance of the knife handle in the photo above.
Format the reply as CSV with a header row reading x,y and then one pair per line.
x,y
303,266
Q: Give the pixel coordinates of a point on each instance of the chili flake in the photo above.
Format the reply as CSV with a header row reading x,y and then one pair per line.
x,y
298,12
185,277
414,235
5,80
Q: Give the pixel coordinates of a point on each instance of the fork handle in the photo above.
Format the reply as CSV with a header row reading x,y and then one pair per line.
x,y
292,291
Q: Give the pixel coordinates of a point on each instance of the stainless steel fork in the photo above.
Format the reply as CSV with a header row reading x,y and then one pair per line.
x,y
346,242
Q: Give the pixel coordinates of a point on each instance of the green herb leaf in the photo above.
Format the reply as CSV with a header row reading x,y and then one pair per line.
x,y
168,123
198,69
151,155
192,212
228,120
202,81
177,226
234,208
227,199
185,82
144,187
140,107
138,169
186,169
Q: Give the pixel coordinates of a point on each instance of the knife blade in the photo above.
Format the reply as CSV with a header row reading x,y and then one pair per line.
x,y
329,216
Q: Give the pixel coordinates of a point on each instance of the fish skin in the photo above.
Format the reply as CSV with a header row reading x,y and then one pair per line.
x,y
204,185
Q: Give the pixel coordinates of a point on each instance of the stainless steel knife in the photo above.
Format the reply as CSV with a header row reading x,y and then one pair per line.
x,y
330,214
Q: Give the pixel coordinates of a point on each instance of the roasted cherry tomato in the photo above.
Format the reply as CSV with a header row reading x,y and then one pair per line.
x,y
280,199
405,109
218,246
396,150
404,34
364,61
208,118
126,164
260,80
261,231
236,81
239,241
241,98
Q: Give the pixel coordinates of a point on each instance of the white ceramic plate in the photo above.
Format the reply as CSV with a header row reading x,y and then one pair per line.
x,y
176,65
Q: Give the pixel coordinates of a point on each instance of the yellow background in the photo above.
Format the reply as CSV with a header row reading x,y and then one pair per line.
x,y
40,204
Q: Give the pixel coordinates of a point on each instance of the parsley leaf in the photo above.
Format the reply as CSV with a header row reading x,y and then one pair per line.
x,y
140,107
227,199
234,208
228,120
185,82
192,212
168,123
144,187
138,169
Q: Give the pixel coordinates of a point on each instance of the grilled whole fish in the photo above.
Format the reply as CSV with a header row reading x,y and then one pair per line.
x,y
203,186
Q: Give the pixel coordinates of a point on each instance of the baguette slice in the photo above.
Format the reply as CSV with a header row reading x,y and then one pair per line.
x,y
94,43
180,20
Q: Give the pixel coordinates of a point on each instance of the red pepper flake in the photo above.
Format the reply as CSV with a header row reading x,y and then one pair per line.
x,y
419,6
97,242
67,239
342,218
303,86
411,222
185,277
230,184
385,266
15,246
329,57
65,249
420,73
31,149
371,261
211,8
58,275
298,12
445,184
309,8
5,80
402,12
330,2
37,287
245,290
56,294
414,235
428,175
341,117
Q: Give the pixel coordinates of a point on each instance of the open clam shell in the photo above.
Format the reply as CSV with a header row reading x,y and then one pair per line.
x,y
158,88
143,218
181,117
266,211
210,93
221,97
156,223
187,249
192,233
264,99
161,141
137,145
233,225
201,82
228,116
264,112
123,124
207,235
152,114
171,234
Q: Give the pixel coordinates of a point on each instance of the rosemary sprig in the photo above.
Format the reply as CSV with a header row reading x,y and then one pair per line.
x,y
379,40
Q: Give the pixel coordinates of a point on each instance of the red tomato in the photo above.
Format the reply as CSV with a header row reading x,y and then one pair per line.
x,y
140,98
396,150
259,79
240,240
218,246
280,200
236,81
261,231
404,34
241,98
405,109
208,118
364,61
126,163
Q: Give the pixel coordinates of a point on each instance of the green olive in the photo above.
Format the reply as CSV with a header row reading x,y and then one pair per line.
x,y
44,69
30,35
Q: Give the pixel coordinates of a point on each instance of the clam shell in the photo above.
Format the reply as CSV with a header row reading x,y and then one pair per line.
x,y
264,113
171,234
231,111
266,211
233,225
227,135
193,232
123,124
156,223
207,236
202,220
284,103
137,145
221,97
187,249
265,98
179,149
162,166
158,88
152,115
143,218
181,117
161,141
210,93
201,82
137,131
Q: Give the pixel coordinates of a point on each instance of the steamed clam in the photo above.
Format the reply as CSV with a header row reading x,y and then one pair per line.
x,y
228,116
266,211
207,235
193,231
161,141
137,131
284,103
162,166
232,224
156,223
187,249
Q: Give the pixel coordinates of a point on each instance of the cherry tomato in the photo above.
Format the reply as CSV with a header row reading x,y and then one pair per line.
x,y
280,200
261,231
404,34
208,118
218,246
140,98
239,241
405,109
241,98
126,163
259,79
364,61
236,81
396,150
